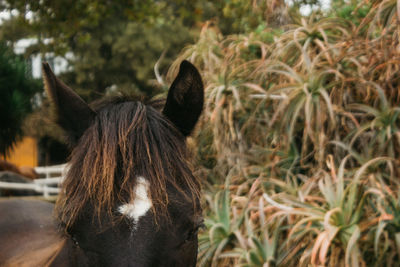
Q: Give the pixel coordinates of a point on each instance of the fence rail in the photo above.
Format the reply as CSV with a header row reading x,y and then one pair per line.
x,y
30,186
52,177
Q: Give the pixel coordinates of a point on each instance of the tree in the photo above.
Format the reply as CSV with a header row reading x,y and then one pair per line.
x,y
117,43
16,92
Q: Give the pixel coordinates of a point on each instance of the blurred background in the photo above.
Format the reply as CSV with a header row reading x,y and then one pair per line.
x,y
99,47
298,147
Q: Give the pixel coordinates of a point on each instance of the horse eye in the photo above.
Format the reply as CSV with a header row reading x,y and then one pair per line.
x,y
201,226
193,233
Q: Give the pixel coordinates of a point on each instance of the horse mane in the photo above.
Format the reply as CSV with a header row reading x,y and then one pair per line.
x,y
127,139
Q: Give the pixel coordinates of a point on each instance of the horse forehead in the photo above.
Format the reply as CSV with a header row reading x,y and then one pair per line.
x,y
141,204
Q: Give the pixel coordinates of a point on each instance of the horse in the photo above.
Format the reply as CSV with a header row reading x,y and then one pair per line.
x,y
25,171
12,173
129,198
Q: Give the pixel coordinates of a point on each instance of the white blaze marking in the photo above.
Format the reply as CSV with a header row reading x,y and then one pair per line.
x,y
141,204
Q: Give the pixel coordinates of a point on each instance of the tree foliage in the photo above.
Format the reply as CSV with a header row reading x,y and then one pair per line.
x,y
113,43
117,43
16,91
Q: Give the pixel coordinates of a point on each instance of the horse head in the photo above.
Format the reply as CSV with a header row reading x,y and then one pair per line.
x,y
130,197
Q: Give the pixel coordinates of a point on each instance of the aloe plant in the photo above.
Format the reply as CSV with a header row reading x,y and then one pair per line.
x,y
284,107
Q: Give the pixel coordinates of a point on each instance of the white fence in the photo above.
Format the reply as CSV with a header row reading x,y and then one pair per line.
x,y
49,184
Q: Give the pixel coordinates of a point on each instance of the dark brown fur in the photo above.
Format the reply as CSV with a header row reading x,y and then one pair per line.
x,y
103,170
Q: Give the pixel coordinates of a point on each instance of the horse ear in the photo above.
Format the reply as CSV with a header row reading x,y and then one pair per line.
x,y
73,114
185,98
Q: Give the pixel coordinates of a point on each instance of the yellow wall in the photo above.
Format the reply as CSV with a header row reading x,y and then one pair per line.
x,y
24,153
